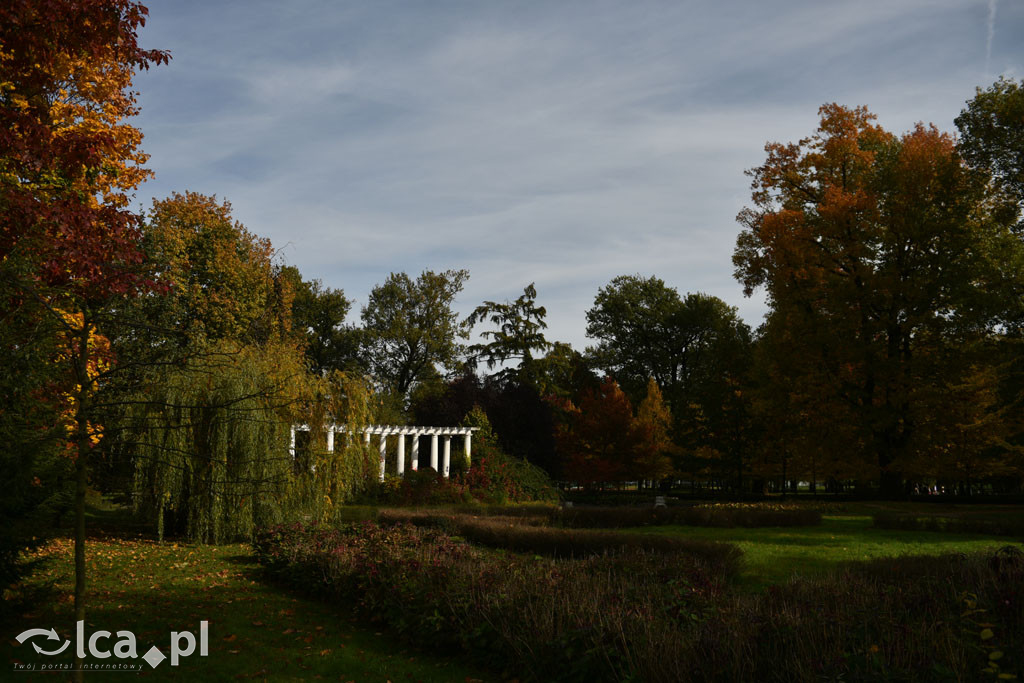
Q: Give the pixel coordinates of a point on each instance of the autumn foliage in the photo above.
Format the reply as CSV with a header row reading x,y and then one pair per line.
x,y
69,244
601,440
70,160
66,390
889,268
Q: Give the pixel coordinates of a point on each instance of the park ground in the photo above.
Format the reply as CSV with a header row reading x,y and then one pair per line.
x,y
259,631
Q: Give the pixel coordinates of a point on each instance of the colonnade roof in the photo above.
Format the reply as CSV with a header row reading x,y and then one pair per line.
x,y
387,430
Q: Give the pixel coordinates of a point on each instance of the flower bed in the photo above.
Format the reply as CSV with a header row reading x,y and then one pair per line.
x,y
636,615
530,534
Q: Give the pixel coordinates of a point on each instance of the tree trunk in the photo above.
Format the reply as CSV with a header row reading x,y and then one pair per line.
x,y
80,485
784,480
82,447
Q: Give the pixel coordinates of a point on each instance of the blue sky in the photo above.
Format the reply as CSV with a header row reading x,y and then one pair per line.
x,y
556,142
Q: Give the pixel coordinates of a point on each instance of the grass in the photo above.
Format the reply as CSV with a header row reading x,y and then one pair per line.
x,y
772,555
256,631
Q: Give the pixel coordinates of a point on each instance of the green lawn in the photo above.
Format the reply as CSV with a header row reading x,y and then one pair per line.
x,y
775,554
256,630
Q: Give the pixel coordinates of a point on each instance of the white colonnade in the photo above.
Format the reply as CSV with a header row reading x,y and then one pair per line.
x,y
384,431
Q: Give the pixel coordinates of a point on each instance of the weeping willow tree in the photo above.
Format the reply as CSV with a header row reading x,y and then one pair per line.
x,y
326,478
211,442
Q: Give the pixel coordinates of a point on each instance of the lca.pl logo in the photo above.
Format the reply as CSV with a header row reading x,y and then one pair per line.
x,y
183,644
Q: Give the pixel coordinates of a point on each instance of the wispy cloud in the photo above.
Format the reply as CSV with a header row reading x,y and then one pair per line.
x,y
563,143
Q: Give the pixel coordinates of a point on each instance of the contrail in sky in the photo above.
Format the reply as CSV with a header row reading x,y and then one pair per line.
x,y
991,32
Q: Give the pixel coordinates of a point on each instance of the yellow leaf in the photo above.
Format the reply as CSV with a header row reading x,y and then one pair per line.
x,y
986,634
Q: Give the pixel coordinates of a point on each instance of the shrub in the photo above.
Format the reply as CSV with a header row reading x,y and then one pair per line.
x,y
536,510
634,615
525,534
547,619
727,515
494,476
528,534
907,618
420,487
1004,525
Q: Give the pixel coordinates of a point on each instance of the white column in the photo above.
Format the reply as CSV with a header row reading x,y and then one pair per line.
x,y
447,454
415,451
383,452
401,454
291,448
433,452
469,435
330,440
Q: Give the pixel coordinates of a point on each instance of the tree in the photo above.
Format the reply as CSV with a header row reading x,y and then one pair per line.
x,y
318,314
223,283
38,474
220,292
597,435
68,163
209,440
601,440
805,429
520,333
633,319
877,252
645,330
496,474
564,372
202,422
992,138
696,349
69,160
521,417
410,327
654,422
966,426
222,296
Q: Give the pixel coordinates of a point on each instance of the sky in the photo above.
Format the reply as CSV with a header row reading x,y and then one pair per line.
x,y
559,142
